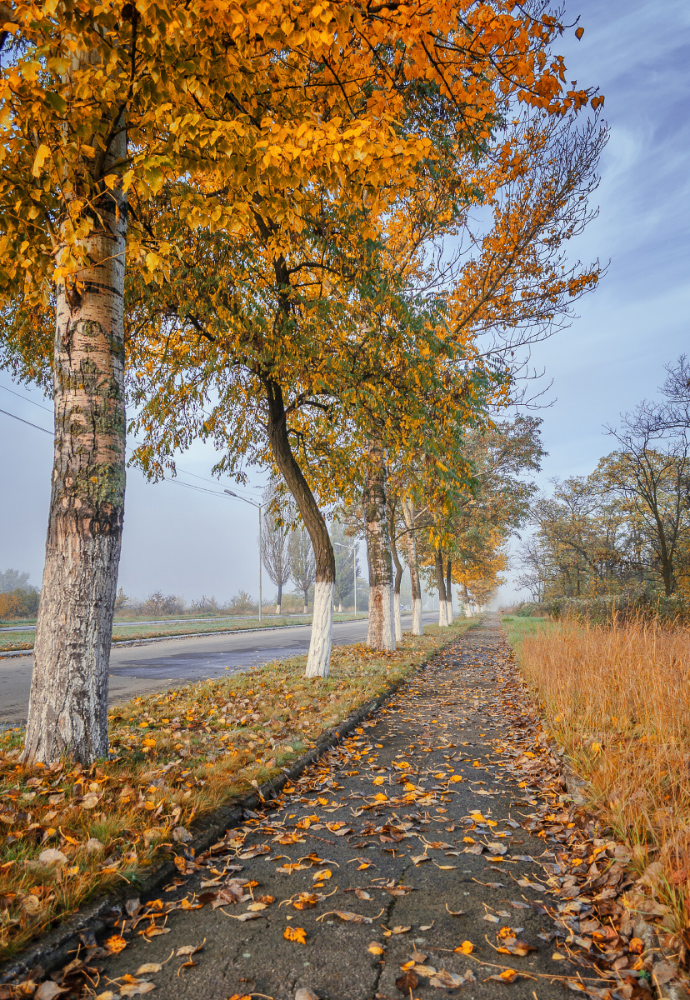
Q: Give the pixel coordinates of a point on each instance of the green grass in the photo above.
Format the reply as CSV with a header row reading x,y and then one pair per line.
x,y
127,631
518,627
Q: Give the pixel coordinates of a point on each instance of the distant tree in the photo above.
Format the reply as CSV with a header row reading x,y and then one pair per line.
x,y
302,562
11,579
205,606
274,553
344,569
121,601
162,604
22,602
242,603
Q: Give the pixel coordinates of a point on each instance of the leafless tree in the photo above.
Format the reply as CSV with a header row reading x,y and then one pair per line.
x,y
302,562
274,552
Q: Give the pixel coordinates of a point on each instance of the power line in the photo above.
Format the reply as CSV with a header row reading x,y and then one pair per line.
x,y
27,399
28,422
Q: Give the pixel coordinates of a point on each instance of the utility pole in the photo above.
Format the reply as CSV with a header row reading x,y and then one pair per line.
x,y
259,507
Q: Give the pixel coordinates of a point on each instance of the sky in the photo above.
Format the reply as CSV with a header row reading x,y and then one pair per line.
x,y
189,542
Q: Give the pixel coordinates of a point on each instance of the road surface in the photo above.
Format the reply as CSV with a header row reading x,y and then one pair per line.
x,y
138,670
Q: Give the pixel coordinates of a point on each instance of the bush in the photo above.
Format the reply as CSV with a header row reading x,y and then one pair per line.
x,y
242,604
629,605
159,604
19,603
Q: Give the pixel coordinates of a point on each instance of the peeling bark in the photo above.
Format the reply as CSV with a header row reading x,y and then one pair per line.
x,y
415,585
381,614
319,658
68,704
438,563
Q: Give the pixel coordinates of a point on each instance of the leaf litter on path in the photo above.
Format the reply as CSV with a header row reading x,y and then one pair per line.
x,y
465,716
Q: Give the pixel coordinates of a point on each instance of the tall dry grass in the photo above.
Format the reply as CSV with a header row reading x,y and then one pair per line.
x,y
617,697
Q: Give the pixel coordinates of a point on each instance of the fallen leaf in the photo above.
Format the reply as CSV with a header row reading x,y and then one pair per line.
x,y
297,934
507,976
305,994
48,990
136,989
447,980
182,835
148,968
401,929
408,981
189,949
375,949
115,944
466,948
51,856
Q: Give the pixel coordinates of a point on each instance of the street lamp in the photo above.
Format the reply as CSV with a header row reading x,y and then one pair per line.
x,y
258,507
354,566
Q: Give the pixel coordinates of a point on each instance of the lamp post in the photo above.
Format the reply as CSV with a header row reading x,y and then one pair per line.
x,y
352,548
258,507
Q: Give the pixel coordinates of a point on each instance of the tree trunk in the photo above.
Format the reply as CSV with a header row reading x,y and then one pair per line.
x,y
449,593
466,601
68,704
398,580
319,658
381,630
306,602
280,597
438,562
415,586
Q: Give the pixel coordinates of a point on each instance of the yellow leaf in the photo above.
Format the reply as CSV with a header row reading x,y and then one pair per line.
x,y
297,934
376,949
42,154
466,948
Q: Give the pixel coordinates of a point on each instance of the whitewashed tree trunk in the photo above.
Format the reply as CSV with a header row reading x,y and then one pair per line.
x,y
449,593
415,585
277,609
440,583
381,632
319,659
68,704
398,619
306,609
468,611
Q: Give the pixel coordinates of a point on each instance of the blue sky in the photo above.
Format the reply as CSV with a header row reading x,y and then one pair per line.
x,y
638,52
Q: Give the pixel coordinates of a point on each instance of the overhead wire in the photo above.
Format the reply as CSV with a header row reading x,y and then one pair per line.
x,y
176,482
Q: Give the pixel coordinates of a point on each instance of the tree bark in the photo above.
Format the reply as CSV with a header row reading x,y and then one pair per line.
x,y
319,658
381,614
449,593
415,585
280,597
68,704
466,601
398,580
438,562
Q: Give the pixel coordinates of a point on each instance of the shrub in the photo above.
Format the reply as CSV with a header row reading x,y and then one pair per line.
x,y
19,603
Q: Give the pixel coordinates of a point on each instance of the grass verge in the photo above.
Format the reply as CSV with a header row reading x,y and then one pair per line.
x,y
128,631
69,833
616,698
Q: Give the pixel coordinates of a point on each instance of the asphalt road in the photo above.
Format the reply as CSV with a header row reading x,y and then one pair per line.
x,y
138,670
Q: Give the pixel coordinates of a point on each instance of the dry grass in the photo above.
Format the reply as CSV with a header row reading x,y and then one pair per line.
x,y
176,756
617,698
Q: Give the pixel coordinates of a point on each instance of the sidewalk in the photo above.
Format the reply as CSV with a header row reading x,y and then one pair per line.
x,y
396,867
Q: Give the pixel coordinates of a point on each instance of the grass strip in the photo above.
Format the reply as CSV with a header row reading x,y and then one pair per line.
x,y
615,697
128,631
176,756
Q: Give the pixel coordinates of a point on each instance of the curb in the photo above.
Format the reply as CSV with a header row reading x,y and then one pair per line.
x,y
119,643
58,944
